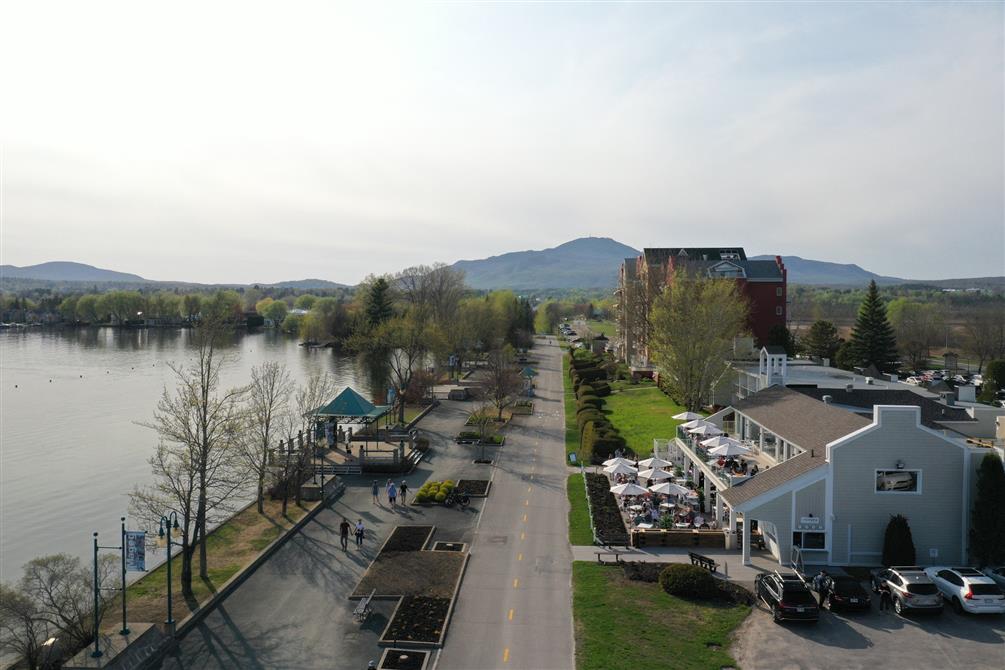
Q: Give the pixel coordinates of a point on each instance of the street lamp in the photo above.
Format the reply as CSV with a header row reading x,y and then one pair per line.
x,y
169,522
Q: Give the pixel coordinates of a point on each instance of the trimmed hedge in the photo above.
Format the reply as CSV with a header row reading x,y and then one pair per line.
x,y
688,581
602,389
434,491
590,400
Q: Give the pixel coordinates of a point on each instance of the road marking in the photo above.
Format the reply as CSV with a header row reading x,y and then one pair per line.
x,y
519,557
510,615
516,583
523,536
528,489
525,518
526,503
506,655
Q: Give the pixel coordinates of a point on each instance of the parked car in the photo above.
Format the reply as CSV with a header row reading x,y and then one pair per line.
x,y
909,588
787,597
968,590
846,592
914,380
997,575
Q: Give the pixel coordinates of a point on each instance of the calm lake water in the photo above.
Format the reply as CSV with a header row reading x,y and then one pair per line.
x,y
70,450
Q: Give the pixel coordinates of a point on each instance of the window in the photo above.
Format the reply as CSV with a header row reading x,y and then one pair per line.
x,y
778,291
809,540
898,481
778,311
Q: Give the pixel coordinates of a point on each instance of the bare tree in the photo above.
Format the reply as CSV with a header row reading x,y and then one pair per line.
x,y
692,324
502,380
22,628
984,330
299,425
197,465
268,402
435,291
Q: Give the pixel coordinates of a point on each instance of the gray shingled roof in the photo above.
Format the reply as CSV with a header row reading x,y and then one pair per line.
x,y
798,418
761,271
931,409
660,255
773,477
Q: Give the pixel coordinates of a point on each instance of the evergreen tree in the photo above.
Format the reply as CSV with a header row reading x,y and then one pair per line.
x,y
872,339
379,306
780,336
898,544
987,520
822,340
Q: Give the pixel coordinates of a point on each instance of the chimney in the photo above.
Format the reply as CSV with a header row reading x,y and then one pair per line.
x,y
947,397
849,387
828,399
813,453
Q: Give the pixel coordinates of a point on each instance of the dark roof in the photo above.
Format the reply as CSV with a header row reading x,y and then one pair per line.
x,y
761,271
775,349
798,418
660,255
775,476
931,410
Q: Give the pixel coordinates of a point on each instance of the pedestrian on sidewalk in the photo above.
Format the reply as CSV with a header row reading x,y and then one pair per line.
x,y
392,493
387,492
343,530
375,490
403,489
360,531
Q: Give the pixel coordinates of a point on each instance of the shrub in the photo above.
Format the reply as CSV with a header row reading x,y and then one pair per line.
x,y
898,545
688,581
987,527
591,374
585,389
602,389
590,400
441,496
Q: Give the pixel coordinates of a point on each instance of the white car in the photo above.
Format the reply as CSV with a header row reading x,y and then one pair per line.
x,y
968,590
913,380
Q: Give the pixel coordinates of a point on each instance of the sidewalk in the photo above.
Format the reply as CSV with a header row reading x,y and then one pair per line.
x,y
730,565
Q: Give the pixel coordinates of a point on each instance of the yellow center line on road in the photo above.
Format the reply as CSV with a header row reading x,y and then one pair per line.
x,y
510,615
519,557
506,655
526,503
523,536
516,583
525,518
528,489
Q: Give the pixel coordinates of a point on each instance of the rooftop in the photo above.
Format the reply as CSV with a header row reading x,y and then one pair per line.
x,y
865,399
766,480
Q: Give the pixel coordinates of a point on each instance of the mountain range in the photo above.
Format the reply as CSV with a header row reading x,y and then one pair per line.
x,y
584,263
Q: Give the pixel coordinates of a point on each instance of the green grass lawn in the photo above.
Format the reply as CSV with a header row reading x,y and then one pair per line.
x,y
569,397
579,512
607,328
642,413
626,624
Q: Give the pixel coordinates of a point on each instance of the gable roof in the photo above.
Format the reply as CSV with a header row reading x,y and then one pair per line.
x,y
660,255
775,349
798,418
932,410
766,480
351,405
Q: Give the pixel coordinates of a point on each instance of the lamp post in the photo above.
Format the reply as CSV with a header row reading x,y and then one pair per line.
x,y
170,523
125,628
97,640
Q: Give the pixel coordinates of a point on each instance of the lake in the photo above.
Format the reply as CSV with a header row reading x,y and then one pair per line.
x,y
70,449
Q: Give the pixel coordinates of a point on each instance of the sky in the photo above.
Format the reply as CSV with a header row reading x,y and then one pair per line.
x,y
260,142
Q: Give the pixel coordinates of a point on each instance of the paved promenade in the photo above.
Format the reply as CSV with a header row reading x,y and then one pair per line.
x,y
515,606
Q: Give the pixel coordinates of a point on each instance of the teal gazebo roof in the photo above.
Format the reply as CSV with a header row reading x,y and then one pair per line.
x,y
351,405
528,372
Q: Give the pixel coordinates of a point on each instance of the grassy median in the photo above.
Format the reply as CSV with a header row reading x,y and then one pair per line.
x,y
580,531
642,413
629,624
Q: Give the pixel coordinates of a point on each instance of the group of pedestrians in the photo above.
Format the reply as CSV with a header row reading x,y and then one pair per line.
x,y
392,491
359,531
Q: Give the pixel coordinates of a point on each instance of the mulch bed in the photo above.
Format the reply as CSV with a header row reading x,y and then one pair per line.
x,y
477,488
412,573
607,520
448,546
418,619
403,659
407,538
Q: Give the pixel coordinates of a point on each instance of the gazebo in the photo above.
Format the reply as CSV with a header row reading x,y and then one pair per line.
x,y
349,407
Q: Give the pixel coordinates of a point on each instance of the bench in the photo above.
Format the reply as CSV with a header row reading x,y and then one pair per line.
x,y
703,561
608,552
363,609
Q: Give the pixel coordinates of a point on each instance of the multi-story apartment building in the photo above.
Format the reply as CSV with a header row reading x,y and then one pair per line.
x,y
762,282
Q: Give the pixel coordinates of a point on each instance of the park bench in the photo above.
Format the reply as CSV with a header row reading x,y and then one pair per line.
x,y
703,561
608,552
363,609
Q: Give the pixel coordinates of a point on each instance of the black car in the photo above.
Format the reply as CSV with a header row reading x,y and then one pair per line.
x,y
844,592
787,597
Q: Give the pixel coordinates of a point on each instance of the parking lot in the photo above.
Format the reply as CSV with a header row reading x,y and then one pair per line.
x,y
871,640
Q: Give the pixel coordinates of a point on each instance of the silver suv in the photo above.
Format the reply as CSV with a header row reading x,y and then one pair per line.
x,y
910,589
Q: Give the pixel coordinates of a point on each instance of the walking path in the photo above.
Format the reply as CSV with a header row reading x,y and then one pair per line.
x,y
515,606
730,564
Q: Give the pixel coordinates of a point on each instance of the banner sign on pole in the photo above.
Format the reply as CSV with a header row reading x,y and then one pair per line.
x,y
136,550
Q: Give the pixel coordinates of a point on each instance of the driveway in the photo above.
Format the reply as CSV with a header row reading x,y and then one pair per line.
x,y
871,640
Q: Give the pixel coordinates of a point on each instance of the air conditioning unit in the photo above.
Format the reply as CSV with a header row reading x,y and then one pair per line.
x,y
869,380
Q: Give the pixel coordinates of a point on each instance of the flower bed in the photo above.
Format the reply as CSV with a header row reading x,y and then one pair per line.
x,y
607,521
403,659
433,492
472,437
474,488
407,538
417,619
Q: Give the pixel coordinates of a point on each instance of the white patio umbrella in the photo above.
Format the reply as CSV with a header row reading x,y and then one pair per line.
x,y
615,461
729,450
654,474
655,462
718,441
686,416
620,469
628,490
669,489
695,423
708,429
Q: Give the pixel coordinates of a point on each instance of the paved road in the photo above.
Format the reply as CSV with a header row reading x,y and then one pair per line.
x,y
294,612
863,641
515,605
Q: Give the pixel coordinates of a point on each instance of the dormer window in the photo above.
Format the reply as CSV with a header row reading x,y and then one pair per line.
x,y
725,269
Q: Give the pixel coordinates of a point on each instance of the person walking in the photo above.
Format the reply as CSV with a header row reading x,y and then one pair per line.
x,y
387,492
403,490
375,490
885,601
820,586
360,531
392,494
343,530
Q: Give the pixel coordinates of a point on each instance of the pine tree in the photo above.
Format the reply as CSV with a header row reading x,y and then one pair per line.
x,y
822,341
872,339
379,305
987,523
898,544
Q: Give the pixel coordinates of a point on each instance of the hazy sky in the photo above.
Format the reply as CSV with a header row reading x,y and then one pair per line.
x,y
262,142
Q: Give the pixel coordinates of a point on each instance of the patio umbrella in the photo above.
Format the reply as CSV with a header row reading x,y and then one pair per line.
x,y
628,490
669,489
615,461
695,423
718,441
729,450
686,416
655,462
654,474
708,429
620,469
